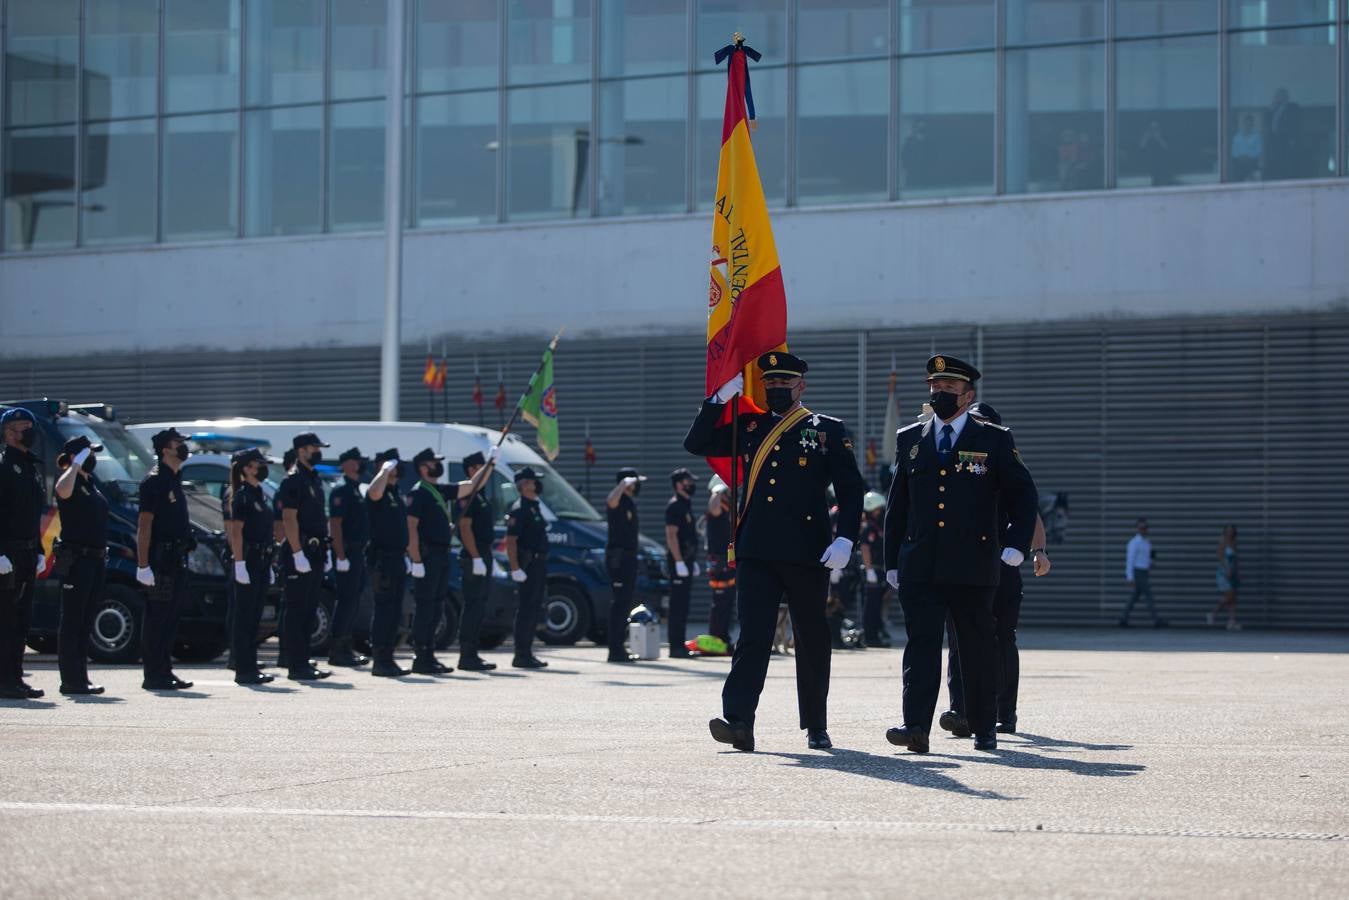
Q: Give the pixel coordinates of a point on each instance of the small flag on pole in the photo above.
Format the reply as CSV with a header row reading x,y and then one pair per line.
x,y
539,406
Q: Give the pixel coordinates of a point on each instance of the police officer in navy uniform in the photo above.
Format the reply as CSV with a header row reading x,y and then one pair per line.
x,y
249,528
23,494
279,538
304,553
783,543
946,547
681,540
349,527
477,533
429,537
527,550
620,558
81,559
163,540
388,572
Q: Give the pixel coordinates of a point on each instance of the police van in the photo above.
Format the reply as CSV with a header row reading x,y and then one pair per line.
x,y
579,594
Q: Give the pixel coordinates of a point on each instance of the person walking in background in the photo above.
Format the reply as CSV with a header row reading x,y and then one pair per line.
x,y
1138,573
1228,581
1248,147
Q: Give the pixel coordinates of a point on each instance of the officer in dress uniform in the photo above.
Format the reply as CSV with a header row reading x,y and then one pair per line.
x,y
303,553
945,547
388,573
527,550
163,540
429,538
249,528
681,539
22,497
782,542
81,559
349,526
620,558
477,533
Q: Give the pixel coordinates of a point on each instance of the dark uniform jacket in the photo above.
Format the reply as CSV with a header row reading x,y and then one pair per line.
x,y
622,520
477,511
787,519
22,496
942,521
345,503
679,513
525,523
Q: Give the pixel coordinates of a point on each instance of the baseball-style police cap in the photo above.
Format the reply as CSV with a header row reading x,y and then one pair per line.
x,y
76,444
783,364
385,455
162,439
288,458
474,459
526,472
353,453
680,474
247,455
629,472
942,366
427,455
16,414
985,411
308,439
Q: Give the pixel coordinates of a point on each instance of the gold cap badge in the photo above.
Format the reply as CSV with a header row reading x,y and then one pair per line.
x,y
772,359
939,364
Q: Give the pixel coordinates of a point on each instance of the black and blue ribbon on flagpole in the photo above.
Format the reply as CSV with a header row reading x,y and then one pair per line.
x,y
750,53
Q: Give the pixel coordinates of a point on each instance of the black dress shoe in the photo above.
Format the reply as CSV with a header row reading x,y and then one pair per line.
x,y
387,668
346,660
1007,727
76,689
309,675
625,658
165,684
986,741
910,738
33,693
528,662
818,739
737,734
955,723
179,684
15,692
255,678
429,665
476,664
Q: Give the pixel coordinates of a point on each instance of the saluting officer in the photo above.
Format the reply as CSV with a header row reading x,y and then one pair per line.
x,y
429,540
249,529
945,546
22,496
527,550
388,543
782,542
477,532
349,525
620,558
163,540
681,539
303,553
81,559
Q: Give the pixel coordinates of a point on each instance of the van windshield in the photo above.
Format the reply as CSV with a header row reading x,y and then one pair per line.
x,y
563,499
121,459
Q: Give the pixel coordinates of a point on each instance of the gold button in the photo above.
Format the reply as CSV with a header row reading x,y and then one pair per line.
x,y
939,524
943,471
770,499
941,506
772,481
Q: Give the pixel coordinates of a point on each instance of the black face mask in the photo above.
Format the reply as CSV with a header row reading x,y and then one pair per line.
x,y
779,399
434,471
181,452
398,472
262,473
690,490
89,464
944,404
26,438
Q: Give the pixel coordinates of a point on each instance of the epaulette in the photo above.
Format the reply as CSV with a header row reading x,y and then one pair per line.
x,y
911,426
999,427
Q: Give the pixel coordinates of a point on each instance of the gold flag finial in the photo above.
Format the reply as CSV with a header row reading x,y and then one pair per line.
x,y
737,38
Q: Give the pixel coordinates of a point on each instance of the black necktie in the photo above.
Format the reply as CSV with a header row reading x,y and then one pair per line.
x,y
944,445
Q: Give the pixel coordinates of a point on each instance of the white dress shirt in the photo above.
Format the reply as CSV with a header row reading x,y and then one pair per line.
x,y
1137,556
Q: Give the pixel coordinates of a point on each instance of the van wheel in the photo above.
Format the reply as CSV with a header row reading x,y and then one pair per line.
x,y
115,637
566,614
323,624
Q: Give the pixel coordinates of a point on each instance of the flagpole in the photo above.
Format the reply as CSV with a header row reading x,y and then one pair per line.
x,y
735,466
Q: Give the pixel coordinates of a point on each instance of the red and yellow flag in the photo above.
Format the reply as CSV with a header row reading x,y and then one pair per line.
x,y
429,371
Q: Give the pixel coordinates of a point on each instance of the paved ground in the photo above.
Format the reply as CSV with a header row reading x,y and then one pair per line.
x,y
1154,763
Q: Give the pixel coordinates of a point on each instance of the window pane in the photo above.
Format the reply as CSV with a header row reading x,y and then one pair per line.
x,y
1035,21
356,164
946,125
121,52
828,29
1054,119
284,52
641,152
201,177
843,112
1167,117
41,58
457,148
1259,13
638,37
762,22
201,54
281,171
1284,80
548,40
119,183
946,24
769,138
457,44
1165,16
359,48
548,145
39,188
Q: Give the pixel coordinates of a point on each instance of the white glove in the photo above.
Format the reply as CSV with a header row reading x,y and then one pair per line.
x,y
837,555
80,458
728,390
479,566
835,576
872,577
328,563
5,565
145,576
241,572
418,570
41,564
494,454
696,570
388,465
892,578
518,576
681,569
407,564
629,481
272,574
1012,556
343,565
302,566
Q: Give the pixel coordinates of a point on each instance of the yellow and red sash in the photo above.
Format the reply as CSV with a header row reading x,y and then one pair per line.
x,y
789,421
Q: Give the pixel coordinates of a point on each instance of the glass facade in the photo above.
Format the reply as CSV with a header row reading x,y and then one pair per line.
x,y
130,122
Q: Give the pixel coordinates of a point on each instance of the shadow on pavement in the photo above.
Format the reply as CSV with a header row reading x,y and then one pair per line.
x,y
1019,759
94,698
270,688
181,695
1049,743
27,704
923,773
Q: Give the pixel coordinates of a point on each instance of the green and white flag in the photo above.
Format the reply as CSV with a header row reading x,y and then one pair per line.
x,y
539,405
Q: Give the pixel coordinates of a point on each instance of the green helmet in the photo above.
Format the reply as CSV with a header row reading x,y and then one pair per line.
x,y
873,501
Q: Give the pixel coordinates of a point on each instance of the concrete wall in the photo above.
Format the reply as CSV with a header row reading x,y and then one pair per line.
x,y
1250,248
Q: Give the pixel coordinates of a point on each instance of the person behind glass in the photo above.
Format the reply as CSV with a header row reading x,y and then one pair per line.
x,y
1248,146
163,540
620,558
23,494
304,553
721,577
1156,155
349,526
527,551
429,540
681,539
477,533
249,529
1138,556
81,560
388,569
873,549
1284,157
1228,580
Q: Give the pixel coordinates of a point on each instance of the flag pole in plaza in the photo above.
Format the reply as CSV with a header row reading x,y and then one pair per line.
x,y
389,357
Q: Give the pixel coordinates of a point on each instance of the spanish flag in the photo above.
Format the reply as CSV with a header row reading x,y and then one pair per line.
x,y
429,372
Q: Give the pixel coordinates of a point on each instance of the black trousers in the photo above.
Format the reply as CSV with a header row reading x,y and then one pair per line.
x,y
531,593
388,577
81,589
622,566
677,625
1006,657
429,595
722,581
248,602
762,586
16,612
926,607
302,597
475,589
872,625
349,586
163,602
